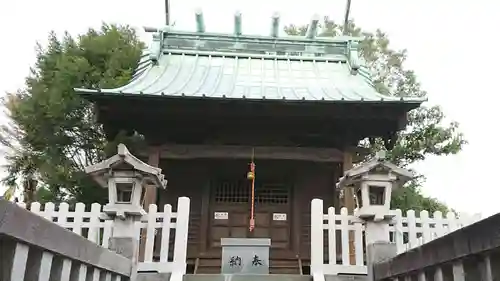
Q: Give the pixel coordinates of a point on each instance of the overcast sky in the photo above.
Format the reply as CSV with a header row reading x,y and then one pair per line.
x,y
450,46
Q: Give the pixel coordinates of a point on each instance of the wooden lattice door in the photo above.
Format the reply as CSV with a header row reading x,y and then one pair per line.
x,y
230,212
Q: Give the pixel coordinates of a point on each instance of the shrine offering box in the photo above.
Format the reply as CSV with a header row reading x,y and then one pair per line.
x,y
245,255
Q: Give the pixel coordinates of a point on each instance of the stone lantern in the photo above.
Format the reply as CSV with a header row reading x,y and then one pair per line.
x,y
373,183
124,176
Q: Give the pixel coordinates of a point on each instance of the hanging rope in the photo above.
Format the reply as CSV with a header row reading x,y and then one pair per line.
x,y
251,176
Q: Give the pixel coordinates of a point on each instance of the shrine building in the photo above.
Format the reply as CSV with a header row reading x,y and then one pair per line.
x,y
209,104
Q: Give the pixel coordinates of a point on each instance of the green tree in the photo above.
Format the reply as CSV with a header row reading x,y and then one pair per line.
x,y
426,133
52,134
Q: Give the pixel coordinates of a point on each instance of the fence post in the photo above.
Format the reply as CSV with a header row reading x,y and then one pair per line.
x,y
181,238
317,255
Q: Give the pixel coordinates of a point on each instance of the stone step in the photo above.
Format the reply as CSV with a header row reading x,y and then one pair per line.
x,y
246,277
346,278
208,269
153,276
284,270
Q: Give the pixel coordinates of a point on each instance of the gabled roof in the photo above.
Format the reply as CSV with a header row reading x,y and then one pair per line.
x,y
379,161
125,158
234,66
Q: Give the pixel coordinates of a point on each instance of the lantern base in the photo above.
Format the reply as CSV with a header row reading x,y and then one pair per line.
x,y
374,213
125,210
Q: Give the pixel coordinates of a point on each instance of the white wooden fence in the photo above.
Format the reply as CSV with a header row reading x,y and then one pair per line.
x,y
406,231
332,230
92,225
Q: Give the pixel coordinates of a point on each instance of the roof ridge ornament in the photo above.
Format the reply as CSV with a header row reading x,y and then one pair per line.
x,y
237,23
312,29
275,24
156,46
122,150
353,56
200,23
381,155
310,45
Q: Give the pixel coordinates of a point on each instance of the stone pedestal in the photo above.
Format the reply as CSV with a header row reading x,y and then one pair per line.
x,y
376,231
124,241
245,255
125,246
378,252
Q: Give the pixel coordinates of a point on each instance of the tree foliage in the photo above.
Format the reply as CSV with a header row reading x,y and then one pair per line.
x,y
426,133
53,135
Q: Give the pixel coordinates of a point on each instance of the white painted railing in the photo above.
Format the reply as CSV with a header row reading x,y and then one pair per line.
x,y
45,262
91,224
407,232
34,249
338,226
413,230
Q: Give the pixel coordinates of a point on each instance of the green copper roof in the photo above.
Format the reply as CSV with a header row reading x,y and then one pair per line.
x,y
235,66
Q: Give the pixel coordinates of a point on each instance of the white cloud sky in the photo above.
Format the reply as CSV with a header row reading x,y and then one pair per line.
x,y
449,45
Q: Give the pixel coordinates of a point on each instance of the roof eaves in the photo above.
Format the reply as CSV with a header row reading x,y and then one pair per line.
x,y
112,92
342,49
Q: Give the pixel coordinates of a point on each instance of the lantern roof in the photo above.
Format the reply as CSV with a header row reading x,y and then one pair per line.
x,y
125,161
206,65
379,164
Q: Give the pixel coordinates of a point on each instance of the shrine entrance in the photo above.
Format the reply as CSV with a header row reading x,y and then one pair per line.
x,y
230,203
228,197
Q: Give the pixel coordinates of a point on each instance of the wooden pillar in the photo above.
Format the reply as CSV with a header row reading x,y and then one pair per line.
x,y
349,204
150,196
153,160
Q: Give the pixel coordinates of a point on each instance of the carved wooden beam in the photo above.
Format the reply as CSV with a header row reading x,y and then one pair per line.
x,y
176,151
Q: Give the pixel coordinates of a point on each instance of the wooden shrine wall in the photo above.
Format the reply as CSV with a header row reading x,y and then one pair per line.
x,y
192,178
